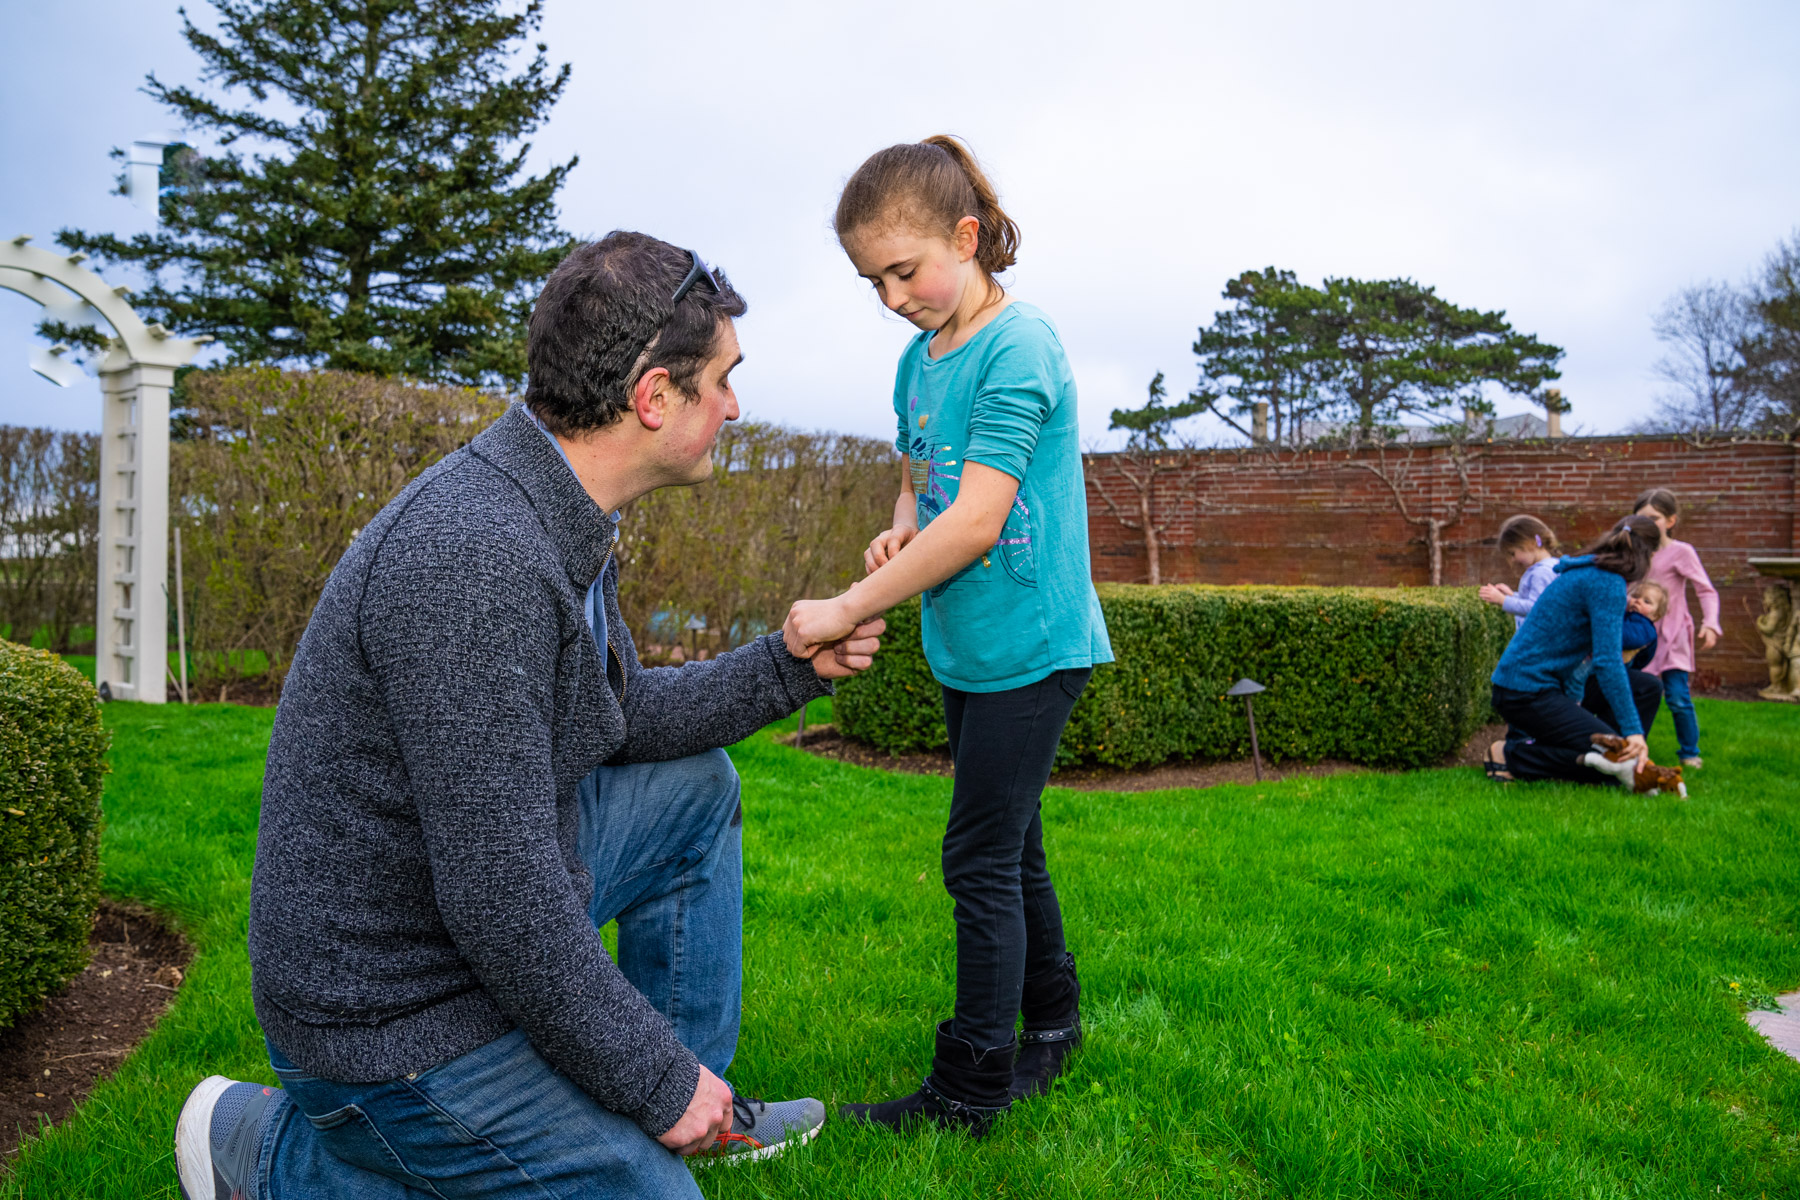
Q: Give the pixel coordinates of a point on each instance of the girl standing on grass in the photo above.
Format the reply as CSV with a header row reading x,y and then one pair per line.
x,y
1530,546
991,526
1675,566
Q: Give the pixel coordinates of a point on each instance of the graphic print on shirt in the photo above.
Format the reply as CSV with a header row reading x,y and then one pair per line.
x,y
1014,546
927,470
929,466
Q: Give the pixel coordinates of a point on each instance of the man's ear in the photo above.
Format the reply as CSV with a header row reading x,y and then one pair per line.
x,y
651,397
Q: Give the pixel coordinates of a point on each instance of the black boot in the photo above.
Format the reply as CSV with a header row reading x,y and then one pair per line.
x,y
964,1089
1052,1012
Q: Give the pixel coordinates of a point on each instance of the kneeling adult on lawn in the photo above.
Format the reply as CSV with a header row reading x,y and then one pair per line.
x,y
1550,735
471,773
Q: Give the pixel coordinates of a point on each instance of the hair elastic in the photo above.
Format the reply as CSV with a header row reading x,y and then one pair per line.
x,y
1539,540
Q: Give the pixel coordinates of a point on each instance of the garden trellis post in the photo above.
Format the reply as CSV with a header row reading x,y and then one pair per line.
x,y
131,613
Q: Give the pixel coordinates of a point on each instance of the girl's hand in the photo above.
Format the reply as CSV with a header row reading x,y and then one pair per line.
x,y
1494,593
815,623
1708,639
887,543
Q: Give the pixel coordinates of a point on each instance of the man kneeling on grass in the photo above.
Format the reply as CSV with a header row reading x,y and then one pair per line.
x,y
470,774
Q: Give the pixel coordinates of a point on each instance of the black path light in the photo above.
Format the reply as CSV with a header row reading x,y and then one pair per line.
x,y
1248,688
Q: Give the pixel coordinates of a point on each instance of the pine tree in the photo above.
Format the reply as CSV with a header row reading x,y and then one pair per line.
x,y
1393,348
383,222
1262,351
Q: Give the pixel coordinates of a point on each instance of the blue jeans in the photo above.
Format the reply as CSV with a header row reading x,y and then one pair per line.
x,y
1681,707
664,844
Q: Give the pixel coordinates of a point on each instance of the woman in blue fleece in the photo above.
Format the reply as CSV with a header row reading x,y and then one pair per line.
x,y
1581,614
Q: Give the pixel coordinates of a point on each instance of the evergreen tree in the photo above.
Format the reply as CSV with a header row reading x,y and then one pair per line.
x,y
1392,348
383,221
1148,428
1262,350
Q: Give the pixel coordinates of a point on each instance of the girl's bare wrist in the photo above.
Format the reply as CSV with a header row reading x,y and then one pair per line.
x,y
849,609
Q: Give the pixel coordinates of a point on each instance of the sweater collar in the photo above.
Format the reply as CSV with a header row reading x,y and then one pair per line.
x,y
581,533
1573,561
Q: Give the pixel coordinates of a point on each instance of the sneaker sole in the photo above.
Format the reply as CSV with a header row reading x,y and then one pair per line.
x,y
744,1156
193,1140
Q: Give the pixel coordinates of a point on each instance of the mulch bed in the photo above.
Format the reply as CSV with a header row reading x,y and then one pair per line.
x,y
826,742
51,1060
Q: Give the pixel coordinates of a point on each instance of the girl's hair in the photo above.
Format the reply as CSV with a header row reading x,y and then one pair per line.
x,y
1625,549
1658,595
1525,530
930,185
1661,499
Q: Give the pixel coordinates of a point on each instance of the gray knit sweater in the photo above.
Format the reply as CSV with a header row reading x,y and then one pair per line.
x,y
417,892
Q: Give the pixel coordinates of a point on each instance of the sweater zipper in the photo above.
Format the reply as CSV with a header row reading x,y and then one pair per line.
x,y
621,663
604,560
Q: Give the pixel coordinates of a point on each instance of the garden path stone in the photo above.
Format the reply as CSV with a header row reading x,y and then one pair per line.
x,y
1781,1028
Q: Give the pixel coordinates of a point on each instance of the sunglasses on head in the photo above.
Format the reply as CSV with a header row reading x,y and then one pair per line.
x,y
698,273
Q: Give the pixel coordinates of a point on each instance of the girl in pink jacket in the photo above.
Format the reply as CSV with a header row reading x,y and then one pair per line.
x,y
1675,566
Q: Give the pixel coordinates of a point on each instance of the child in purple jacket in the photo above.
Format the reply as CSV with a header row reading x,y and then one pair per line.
x,y
1529,545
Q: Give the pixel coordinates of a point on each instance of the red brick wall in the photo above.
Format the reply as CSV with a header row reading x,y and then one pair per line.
x,y
1318,518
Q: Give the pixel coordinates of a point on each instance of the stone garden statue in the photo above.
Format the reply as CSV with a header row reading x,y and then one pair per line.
x,y
1779,626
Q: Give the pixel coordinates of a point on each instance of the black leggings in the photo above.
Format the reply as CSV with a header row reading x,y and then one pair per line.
x,y
1008,924
1548,732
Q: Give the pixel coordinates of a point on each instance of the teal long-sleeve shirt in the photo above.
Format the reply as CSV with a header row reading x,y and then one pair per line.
x,y
1581,614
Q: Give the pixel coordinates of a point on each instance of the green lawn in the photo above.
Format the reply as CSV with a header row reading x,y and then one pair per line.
x,y
1417,985
248,664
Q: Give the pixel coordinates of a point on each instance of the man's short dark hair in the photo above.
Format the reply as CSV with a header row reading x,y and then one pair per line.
x,y
596,318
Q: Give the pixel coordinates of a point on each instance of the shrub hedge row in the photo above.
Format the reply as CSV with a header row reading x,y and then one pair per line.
x,y
52,760
1382,676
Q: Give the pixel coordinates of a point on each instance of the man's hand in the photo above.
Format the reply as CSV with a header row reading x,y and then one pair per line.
x,y
887,543
840,660
708,1116
1708,639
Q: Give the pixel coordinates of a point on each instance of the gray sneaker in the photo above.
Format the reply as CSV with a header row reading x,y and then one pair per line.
x,y
763,1130
217,1138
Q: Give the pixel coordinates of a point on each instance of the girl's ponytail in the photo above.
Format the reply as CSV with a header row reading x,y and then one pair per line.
x,y
931,184
1626,548
998,248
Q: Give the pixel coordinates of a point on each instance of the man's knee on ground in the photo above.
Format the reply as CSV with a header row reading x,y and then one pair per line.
x,y
711,774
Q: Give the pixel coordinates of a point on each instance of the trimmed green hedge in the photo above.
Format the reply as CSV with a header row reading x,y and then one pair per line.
x,y
1382,676
52,759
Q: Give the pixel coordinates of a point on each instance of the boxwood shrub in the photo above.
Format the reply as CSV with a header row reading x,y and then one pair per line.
x,y
1381,676
52,750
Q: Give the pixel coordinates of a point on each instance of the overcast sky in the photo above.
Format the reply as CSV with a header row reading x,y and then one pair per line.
x,y
1570,163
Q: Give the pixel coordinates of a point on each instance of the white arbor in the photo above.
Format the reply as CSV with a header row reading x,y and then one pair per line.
x,y
131,615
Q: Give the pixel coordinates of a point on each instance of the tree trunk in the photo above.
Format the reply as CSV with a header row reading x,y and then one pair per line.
x,y
1434,541
1152,551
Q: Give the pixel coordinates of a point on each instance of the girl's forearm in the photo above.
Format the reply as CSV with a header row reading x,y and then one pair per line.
x,y
1709,598
906,509
946,546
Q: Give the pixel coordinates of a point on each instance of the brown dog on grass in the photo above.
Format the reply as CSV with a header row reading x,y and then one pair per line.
x,y
1650,778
